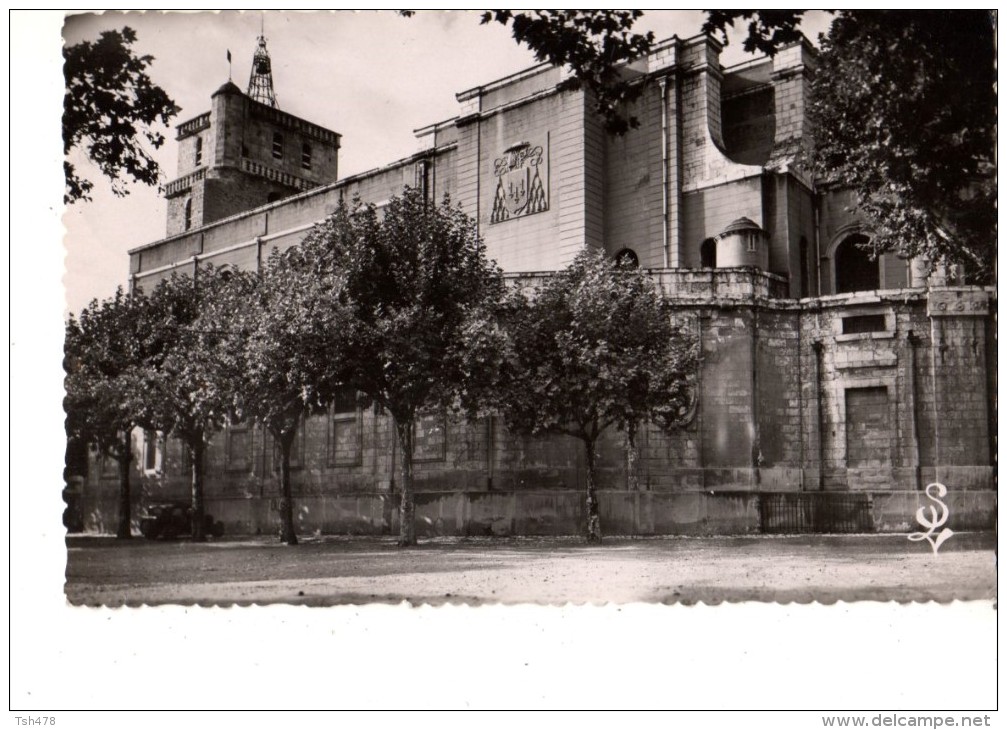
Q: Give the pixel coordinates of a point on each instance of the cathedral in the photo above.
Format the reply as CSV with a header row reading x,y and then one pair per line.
x,y
833,387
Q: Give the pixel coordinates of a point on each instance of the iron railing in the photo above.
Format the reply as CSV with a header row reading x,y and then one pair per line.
x,y
787,513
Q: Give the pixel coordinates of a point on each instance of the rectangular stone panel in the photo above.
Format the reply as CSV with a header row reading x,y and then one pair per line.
x,y
868,440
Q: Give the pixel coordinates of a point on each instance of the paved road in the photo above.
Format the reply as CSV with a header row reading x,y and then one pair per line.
x,y
332,571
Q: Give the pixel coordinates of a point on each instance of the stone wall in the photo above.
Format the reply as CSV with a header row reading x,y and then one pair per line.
x,y
633,182
561,126
792,400
246,239
558,512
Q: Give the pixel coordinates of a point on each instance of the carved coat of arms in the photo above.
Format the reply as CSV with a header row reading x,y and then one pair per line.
x,y
520,188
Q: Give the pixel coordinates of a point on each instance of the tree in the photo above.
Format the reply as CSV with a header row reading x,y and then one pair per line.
x,y
917,141
189,382
283,329
413,276
596,347
594,44
768,30
106,355
904,114
109,106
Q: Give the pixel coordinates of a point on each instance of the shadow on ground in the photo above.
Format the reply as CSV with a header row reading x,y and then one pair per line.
x,y
340,570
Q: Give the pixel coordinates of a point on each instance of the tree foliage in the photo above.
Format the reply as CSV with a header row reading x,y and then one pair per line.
x,y
106,355
593,44
413,275
189,382
596,347
109,107
283,331
904,114
768,30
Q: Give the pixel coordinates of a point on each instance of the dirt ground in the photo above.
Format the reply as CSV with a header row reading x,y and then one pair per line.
x,y
335,571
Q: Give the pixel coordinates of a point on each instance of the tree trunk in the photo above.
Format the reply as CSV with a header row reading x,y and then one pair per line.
x,y
632,460
197,449
593,519
407,507
125,529
287,533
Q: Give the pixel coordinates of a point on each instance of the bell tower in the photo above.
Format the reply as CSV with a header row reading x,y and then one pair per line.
x,y
245,153
260,82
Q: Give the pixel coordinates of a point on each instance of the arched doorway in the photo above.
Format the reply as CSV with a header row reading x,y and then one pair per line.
x,y
855,271
708,254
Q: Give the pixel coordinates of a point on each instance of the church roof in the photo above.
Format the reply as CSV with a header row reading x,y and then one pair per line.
x,y
227,88
741,224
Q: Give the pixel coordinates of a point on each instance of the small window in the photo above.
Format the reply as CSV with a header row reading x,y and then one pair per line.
x,y
430,437
708,254
186,460
277,146
753,242
345,429
345,401
864,323
239,447
151,452
199,151
188,213
273,197
423,178
306,156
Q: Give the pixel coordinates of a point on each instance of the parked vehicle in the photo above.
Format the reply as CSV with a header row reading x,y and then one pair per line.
x,y
172,519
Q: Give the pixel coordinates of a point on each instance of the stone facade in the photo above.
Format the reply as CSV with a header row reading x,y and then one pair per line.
x,y
815,389
242,154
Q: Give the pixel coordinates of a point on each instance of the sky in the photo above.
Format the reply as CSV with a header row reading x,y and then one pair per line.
x,y
372,76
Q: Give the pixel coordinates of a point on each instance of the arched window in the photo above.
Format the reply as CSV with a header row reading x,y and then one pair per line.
x,y
627,258
708,254
188,213
855,271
